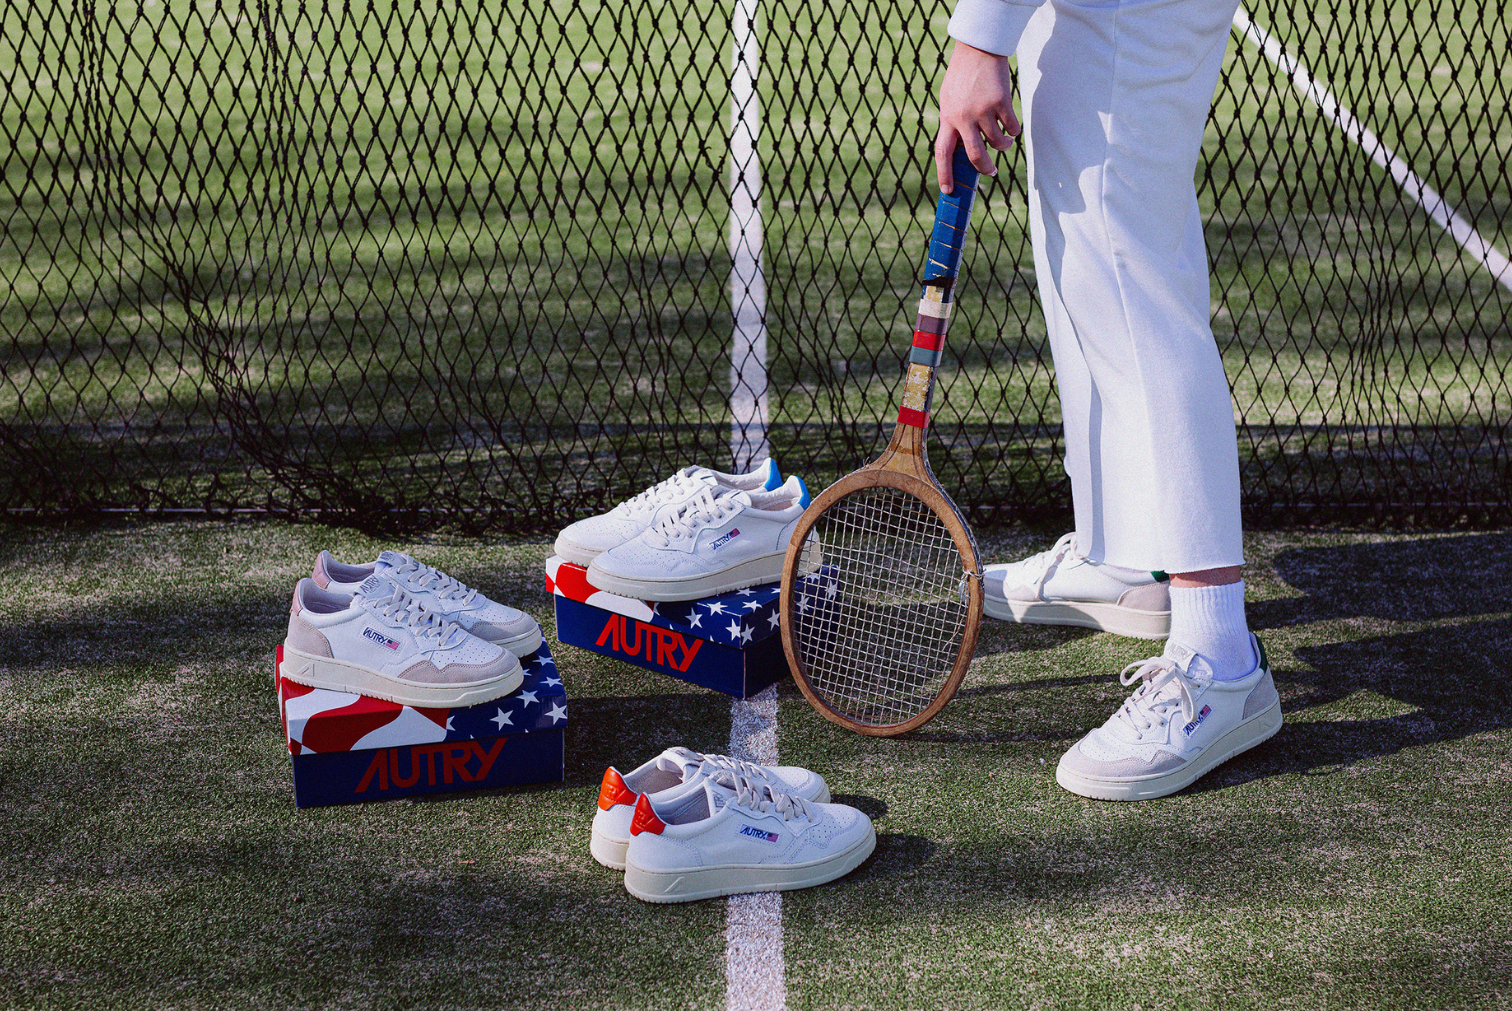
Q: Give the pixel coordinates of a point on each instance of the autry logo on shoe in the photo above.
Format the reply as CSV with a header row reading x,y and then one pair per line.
x,y
756,833
722,541
380,638
1191,728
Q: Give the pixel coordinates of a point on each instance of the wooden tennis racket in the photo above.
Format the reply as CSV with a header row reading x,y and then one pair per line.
x,y
880,633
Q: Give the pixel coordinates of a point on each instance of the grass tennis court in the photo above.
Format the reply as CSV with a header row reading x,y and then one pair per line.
x,y
153,858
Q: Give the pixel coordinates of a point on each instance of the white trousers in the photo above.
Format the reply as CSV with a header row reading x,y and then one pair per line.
x,y
1114,97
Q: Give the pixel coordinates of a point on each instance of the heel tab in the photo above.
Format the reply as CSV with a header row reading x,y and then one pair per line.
x,y
803,492
774,476
613,790
645,819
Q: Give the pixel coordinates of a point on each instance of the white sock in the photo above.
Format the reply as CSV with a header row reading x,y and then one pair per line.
x,y
1210,620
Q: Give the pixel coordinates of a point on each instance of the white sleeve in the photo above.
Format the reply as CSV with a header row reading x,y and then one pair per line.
x,y
993,26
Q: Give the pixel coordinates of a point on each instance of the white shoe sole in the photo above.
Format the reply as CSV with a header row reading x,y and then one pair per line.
x,y
1258,728
607,851
574,553
1083,614
341,676
611,852
751,572
693,883
522,645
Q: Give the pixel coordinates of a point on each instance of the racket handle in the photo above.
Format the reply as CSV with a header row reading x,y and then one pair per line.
x,y
952,215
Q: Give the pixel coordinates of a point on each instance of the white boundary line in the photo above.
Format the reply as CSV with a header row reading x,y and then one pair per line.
x,y
1464,233
748,351
755,974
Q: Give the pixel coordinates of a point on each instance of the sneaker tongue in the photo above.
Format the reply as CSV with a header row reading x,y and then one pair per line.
x,y
390,560
374,587
679,760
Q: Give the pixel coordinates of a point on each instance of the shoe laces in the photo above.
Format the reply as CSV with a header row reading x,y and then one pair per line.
x,y
759,797
724,763
674,488
400,609
434,580
1149,707
1047,561
708,508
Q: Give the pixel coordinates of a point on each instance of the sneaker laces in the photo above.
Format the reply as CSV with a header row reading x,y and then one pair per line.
x,y
672,489
709,507
1048,561
399,609
739,767
1147,708
437,582
760,797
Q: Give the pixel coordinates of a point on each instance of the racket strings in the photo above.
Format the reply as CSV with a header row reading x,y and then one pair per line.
x,y
879,626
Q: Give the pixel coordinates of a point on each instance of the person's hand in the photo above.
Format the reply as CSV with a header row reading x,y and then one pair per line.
x,y
976,109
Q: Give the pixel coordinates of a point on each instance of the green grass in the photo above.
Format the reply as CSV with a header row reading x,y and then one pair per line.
x,y
152,856
326,258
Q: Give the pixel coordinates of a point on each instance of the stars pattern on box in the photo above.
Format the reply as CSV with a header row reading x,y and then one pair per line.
x,y
318,720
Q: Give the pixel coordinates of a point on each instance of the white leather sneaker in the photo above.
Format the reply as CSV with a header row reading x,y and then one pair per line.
x,y
585,540
727,836
1177,726
1061,587
380,642
453,600
716,542
665,774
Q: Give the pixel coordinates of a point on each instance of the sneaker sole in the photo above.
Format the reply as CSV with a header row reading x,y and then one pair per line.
x,y
574,553
607,851
1082,614
1259,728
693,883
751,572
341,676
611,852
522,646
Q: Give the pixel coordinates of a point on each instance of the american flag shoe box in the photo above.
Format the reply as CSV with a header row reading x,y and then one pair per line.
x,y
728,643
348,747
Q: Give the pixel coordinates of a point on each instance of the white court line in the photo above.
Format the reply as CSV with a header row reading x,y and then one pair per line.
x,y
755,976
1470,240
748,350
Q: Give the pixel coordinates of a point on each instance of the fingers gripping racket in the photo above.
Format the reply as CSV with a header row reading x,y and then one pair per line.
x,y
879,635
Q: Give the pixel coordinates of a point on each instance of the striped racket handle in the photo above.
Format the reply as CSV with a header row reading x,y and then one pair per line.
x,y
952,217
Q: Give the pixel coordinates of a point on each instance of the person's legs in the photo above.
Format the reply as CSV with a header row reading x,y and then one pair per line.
x,y
1114,100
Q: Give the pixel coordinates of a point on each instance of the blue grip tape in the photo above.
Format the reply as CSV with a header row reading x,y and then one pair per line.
x,y
952,216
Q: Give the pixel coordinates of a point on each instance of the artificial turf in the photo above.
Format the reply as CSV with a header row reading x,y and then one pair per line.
x,y
152,855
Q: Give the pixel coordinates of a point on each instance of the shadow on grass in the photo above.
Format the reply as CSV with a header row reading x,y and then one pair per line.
x,y
1445,683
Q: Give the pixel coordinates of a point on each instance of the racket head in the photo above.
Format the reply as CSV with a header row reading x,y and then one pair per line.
x,y
881,600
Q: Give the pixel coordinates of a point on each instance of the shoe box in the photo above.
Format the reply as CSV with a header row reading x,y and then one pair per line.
x,y
729,642
347,747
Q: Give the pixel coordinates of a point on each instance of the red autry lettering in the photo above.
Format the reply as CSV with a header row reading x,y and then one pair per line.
x,y
486,761
455,760
378,766
661,645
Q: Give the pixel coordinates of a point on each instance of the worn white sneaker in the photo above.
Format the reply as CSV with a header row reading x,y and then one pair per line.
x,y
670,771
498,623
716,542
1178,725
1061,587
583,541
380,642
726,835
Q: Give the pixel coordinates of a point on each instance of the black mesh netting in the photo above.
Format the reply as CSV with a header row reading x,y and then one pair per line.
x,y
425,263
